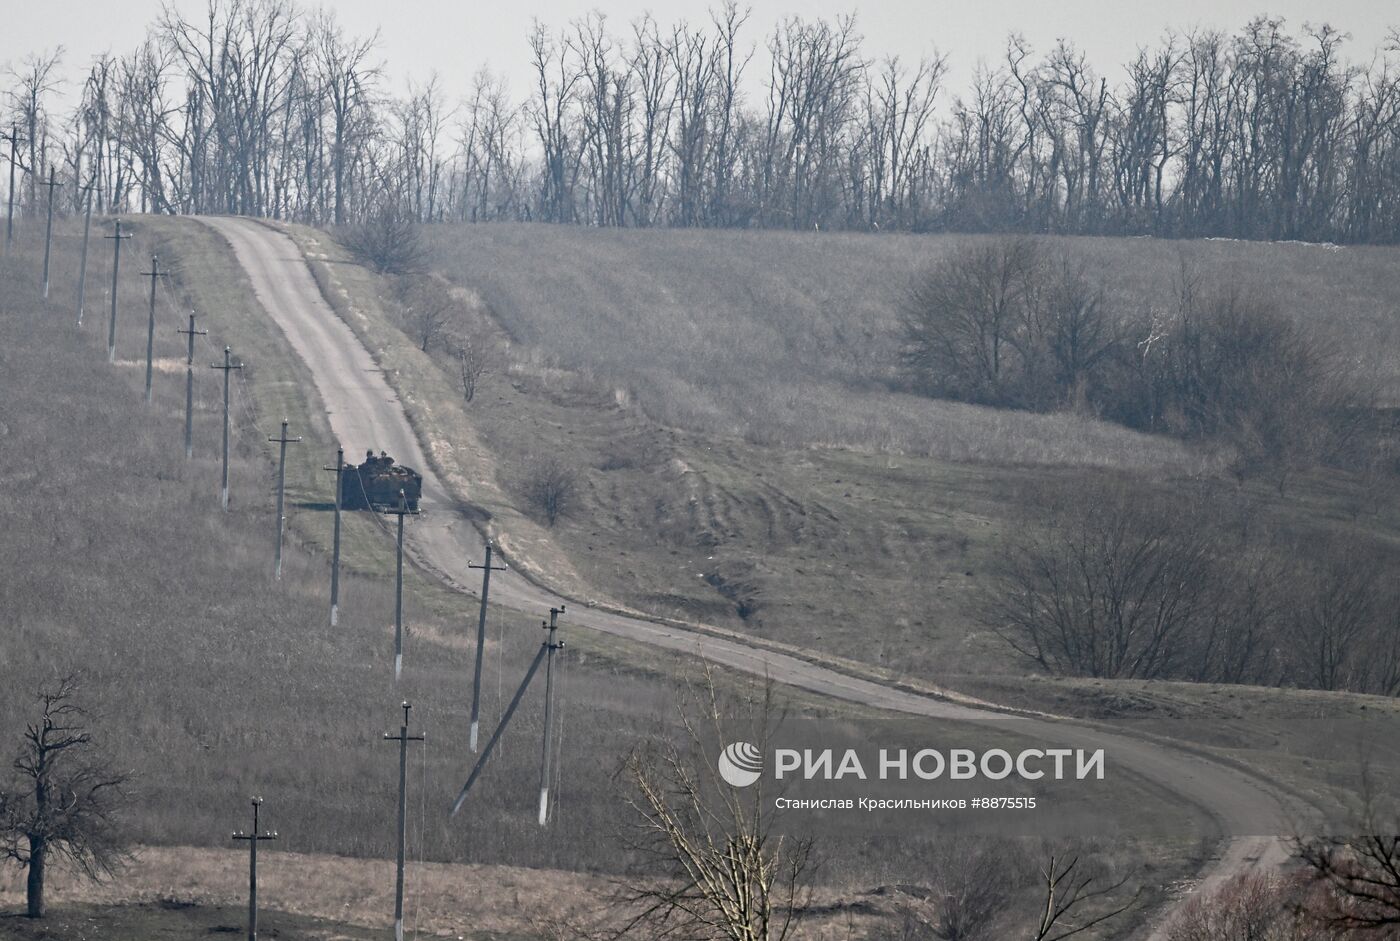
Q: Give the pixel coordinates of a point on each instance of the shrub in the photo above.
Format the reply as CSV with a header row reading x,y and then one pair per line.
x,y
428,311
1252,905
1233,368
1120,583
965,323
472,354
1111,587
387,242
551,488
1000,323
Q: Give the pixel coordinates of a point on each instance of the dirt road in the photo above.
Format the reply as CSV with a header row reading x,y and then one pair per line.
x,y
365,412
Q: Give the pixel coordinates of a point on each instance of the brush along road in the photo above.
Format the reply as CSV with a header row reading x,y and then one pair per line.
x,y
365,411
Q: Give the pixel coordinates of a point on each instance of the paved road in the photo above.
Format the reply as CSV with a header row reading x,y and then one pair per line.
x,y
365,413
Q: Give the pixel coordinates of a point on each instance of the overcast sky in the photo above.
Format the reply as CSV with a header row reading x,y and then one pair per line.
x,y
457,38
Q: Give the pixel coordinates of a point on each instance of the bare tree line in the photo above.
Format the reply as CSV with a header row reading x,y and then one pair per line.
x,y
261,107
1121,584
1009,323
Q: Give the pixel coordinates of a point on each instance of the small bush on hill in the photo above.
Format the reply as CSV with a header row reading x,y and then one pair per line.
x,y
387,242
551,487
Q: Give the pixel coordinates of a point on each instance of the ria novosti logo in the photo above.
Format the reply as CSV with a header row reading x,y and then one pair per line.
x,y
741,764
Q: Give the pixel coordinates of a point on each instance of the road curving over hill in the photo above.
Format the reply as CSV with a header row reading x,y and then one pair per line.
x,y
364,411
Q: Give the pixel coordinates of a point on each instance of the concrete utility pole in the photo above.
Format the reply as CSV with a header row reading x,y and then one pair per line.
x,y
82,263
335,542
227,366
48,230
189,383
486,569
153,274
546,650
116,267
282,442
14,140
551,646
254,838
400,511
403,738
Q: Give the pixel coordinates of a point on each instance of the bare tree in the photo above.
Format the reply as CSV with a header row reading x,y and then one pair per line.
x,y
473,356
259,106
430,312
965,322
551,487
1359,872
725,872
1113,585
388,242
348,81
1256,906
971,887
1336,606
34,80
64,799
1075,900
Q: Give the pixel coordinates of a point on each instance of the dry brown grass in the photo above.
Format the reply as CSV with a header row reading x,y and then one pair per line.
x,y
212,683
791,338
442,899
853,551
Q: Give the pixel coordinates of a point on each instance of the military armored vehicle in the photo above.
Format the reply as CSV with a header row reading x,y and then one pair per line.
x,y
375,484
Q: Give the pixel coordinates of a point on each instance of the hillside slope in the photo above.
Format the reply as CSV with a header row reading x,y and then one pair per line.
x,y
792,338
725,399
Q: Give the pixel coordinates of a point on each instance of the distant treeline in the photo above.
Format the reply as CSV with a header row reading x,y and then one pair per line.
x,y
260,107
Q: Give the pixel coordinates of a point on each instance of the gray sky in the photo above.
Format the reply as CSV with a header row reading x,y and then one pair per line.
x,y
456,38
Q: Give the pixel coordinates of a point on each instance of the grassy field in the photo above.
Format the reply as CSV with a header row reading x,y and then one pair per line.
x,y
211,682
171,920
751,510
791,338
214,683
870,556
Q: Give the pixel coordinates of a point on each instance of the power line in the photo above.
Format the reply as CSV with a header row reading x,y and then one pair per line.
x,y
400,511
82,263
14,140
254,837
335,542
546,655
116,268
227,366
552,647
403,738
191,333
282,441
486,569
154,274
48,230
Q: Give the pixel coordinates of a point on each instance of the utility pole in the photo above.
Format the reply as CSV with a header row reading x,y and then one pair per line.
x,y
48,230
282,442
255,837
227,366
14,140
551,646
400,511
403,738
116,267
189,381
335,541
153,274
82,264
486,569
546,651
